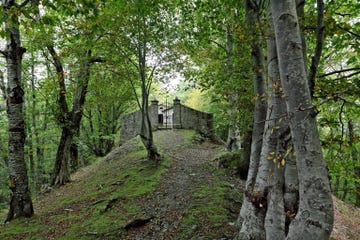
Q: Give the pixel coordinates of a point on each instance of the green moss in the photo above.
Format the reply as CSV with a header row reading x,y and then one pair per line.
x,y
97,205
210,209
233,161
22,226
189,136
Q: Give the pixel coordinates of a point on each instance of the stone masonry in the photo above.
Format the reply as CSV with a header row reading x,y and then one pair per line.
x,y
183,118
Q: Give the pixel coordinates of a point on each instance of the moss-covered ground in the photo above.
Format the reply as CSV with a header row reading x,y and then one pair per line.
x,y
102,198
183,197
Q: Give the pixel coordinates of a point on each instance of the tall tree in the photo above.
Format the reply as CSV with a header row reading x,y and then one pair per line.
x,y
80,49
253,13
70,119
145,47
314,219
20,203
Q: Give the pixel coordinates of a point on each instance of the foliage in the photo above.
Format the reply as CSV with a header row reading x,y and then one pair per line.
x,y
336,94
233,162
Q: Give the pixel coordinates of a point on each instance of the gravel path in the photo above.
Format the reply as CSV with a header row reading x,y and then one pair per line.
x,y
173,194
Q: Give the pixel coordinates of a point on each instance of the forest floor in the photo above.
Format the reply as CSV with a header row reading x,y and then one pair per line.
x,y
126,197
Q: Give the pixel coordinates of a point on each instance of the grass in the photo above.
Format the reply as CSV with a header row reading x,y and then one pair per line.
x,y
210,209
98,204
97,207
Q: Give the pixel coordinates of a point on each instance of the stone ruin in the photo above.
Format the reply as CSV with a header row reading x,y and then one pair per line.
x,y
177,116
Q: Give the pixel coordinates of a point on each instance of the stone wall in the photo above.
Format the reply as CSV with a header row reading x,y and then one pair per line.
x,y
188,118
131,123
183,118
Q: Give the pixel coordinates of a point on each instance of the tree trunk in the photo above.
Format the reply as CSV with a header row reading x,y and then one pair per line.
x,y
67,150
266,218
146,133
355,161
61,173
233,140
273,150
20,203
314,219
252,13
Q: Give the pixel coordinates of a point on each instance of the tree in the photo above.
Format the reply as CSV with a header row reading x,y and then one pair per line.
x,y
20,203
70,119
253,11
270,204
82,50
145,48
314,219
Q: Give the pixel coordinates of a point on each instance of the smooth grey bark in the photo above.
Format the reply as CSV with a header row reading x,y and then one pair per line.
x,y
268,220
20,203
146,131
314,219
291,182
234,139
252,14
273,148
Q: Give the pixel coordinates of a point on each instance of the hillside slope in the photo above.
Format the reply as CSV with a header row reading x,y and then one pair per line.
x,y
126,197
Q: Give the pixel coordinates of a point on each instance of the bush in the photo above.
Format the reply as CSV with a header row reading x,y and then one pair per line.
x,y
234,162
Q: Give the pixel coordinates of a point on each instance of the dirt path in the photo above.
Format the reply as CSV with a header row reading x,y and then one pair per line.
x,y
189,168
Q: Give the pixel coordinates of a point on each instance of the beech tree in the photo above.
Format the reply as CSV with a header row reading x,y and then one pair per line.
x,y
20,203
272,211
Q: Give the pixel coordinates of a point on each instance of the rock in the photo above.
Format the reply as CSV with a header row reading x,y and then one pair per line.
x,y
137,222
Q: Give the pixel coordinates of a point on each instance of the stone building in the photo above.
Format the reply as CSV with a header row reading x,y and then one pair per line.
x,y
177,116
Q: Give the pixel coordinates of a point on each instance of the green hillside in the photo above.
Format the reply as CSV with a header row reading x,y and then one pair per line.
x,y
106,199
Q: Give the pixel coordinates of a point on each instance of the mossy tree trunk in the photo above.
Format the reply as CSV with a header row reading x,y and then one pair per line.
x,y
70,120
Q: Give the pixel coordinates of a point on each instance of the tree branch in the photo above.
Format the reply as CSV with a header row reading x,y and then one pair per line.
x,y
96,60
347,76
150,79
340,71
315,60
61,80
218,44
135,93
351,32
23,4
